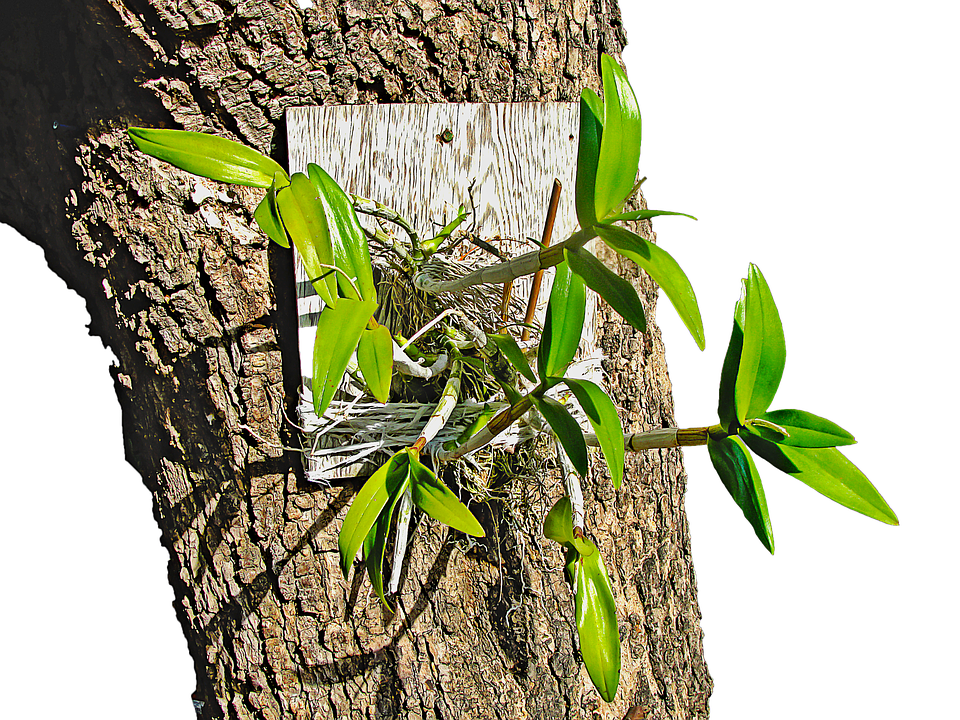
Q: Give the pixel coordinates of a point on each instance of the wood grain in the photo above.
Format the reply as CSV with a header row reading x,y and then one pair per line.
x,y
510,151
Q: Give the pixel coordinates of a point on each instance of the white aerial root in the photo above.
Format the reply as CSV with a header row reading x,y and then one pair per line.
x,y
571,482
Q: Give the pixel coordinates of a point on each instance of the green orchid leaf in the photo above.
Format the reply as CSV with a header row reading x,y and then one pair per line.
x,y
769,451
764,351
437,500
564,323
567,431
306,224
375,358
596,611
620,144
618,293
727,407
805,430
512,395
605,421
588,154
594,104
739,475
830,473
367,506
558,524
350,249
338,332
267,214
640,215
512,352
597,625
375,544
664,270
208,156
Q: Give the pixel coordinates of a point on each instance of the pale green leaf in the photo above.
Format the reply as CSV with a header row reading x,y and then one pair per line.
x,y
830,473
437,500
558,524
806,429
597,625
367,505
208,156
305,223
375,358
338,332
764,351
641,215
350,250
267,215
620,144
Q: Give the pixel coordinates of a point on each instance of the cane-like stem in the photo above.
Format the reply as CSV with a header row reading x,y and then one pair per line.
x,y
500,422
526,264
662,438
379,210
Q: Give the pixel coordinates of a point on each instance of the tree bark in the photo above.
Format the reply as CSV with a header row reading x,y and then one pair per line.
x,y
197,306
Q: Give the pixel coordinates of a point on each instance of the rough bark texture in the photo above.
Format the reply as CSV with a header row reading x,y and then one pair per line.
x,y
187,296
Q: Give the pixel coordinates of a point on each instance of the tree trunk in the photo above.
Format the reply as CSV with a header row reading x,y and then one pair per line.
x,y
197,306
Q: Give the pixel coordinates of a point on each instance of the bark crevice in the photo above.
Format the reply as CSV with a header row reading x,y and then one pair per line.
x,y
198,311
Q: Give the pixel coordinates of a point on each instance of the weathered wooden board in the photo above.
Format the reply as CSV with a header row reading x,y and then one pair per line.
x,y
422,160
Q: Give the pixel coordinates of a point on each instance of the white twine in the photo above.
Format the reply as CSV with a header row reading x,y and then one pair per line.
x,y
351,431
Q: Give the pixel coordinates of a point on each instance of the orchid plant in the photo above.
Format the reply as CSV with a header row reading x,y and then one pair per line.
x,y
311,211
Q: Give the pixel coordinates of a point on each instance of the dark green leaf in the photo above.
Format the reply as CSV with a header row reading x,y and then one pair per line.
x,y
664,270
806,429
764,351
739,475
338,332
588,154
510,392
375,358
208,156
564,323
727,408
437,501
619,293
771,452
368,504
605,421
567,431
512,352
349,242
